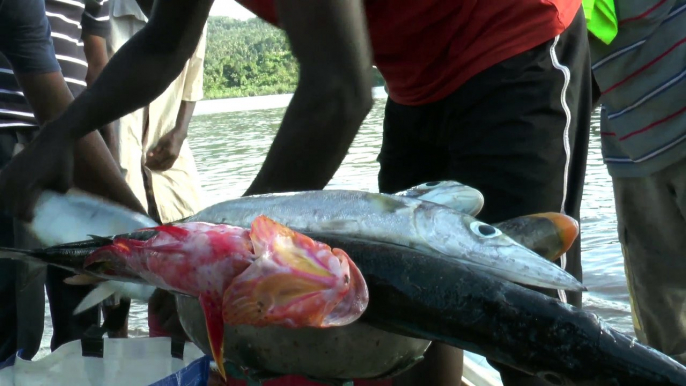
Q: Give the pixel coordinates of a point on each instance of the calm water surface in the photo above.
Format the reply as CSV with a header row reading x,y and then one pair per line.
x,y
229,149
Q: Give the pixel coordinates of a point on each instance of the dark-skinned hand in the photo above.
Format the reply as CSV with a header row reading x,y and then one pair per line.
x,y
163,155
46,163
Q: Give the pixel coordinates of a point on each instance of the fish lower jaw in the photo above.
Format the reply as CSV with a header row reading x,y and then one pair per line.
x,y
557,280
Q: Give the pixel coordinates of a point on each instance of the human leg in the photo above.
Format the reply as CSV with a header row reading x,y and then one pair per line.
x,y
64,299
518,132
651,213
406,159
21,284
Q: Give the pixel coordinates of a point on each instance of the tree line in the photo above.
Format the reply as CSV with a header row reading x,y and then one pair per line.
x,y
249,58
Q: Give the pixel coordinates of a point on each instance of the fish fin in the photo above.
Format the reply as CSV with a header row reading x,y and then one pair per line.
x,y
100,238
289,248
174,231
215,330
263,299
83,280
95,297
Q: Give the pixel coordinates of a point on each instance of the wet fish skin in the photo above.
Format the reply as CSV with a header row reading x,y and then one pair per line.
x,y
387,218
63,218
428,296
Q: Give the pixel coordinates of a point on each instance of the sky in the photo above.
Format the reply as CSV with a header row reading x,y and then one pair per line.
x,y
230,8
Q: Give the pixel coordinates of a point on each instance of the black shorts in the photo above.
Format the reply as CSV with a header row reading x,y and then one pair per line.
x,y
518,132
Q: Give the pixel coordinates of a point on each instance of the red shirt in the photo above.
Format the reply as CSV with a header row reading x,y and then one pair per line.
x,y
426,49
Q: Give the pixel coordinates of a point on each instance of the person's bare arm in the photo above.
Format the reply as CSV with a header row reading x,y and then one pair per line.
x,y
167,150
95,48
138,73
94,170
141,70
329,38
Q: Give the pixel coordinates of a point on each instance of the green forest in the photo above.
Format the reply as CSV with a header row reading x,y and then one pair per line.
x,y
249,58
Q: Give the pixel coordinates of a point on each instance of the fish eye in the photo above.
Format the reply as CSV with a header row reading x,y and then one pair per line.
x,y
433,183
485,230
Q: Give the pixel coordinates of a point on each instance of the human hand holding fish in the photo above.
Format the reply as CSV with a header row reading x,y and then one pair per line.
x,y
47,162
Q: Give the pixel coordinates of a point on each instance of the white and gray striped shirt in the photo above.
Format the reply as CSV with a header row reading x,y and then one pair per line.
x,y
69,19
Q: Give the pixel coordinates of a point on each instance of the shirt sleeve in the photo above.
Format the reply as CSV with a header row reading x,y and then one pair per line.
x,y
96,18
25,37
192,87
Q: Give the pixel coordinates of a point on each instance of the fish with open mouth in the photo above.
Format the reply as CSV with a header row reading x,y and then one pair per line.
x,y
265,275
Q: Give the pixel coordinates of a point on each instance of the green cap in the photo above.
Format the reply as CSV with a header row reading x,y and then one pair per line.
x,y
601,19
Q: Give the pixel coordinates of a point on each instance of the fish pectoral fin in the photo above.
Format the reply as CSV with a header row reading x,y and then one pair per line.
x,y
289,248
279,299
95,297
215,330
101,238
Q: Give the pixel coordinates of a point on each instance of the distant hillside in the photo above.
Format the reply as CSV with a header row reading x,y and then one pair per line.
x,y
249,58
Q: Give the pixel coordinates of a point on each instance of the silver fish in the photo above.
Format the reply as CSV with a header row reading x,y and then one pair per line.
x,y
65,218
414,223
450,193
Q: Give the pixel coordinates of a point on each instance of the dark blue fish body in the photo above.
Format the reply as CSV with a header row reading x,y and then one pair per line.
x,y
439,299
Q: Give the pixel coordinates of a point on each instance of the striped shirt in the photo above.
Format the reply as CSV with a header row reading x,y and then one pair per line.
x,y
68,19
642,77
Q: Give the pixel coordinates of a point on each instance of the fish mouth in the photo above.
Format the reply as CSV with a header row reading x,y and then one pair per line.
x,y
499,256
353,305
294,282
519,264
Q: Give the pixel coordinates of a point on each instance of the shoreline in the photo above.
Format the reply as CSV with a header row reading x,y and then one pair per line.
x,y
263,102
